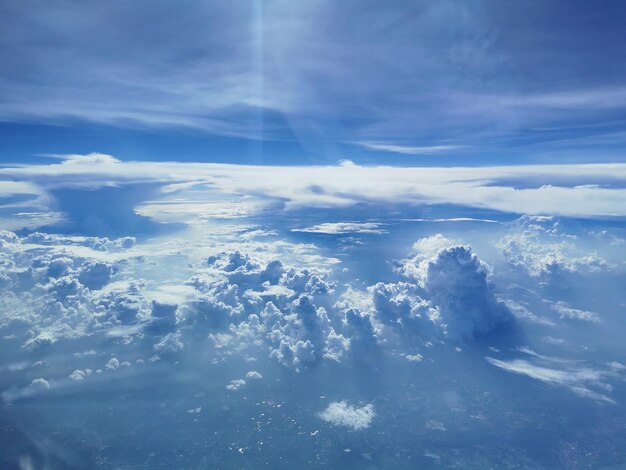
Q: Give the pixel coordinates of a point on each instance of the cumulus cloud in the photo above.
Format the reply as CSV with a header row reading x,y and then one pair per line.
x,y
414,357
79,375
340,413
113,364
399,304
235,385
457,283
169,344
39,384
95,274
540,246
450,292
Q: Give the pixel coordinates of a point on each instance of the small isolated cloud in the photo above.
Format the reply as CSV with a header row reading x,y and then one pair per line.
x,y
79,375
39,384
253,374
235,385
340,413
113,364
343,228
93,158
414,357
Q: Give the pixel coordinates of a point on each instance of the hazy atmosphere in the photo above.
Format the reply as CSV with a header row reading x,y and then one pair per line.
x,y
312,234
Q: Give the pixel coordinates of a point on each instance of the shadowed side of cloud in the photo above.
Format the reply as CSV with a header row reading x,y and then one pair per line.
x,y
107,211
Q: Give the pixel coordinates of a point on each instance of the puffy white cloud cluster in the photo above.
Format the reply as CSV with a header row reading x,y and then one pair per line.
x,y
282,307
56,287
449,293
340,413
52,285
542,247
300,316
235,385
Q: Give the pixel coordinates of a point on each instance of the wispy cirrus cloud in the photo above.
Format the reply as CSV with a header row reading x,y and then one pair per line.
x,y
342,228
410,150
580,378
268,73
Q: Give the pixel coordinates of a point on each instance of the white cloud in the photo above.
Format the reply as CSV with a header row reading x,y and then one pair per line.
x,y
341,228
428,246
540,246
567,312
524,314
235,385
39,384
79,375
570,190
414,357
576,376
451,291
340,413
113,364
411,150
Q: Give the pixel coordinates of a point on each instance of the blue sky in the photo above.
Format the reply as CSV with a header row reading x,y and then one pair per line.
x,y
404,83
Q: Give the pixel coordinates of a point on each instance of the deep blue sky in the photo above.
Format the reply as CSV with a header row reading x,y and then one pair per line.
x,y
404,83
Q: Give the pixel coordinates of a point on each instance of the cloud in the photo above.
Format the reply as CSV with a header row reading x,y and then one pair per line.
x,y
160,80
567,312
79,375
451,291
340,413
113,364
39,384
169,344
400,305
93,158
457,283
542,247
581,379
342,228
570,190
410,150
95,274
524,314
235,385
414,357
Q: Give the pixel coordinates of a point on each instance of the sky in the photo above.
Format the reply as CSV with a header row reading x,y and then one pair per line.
x,y
405,83
314,234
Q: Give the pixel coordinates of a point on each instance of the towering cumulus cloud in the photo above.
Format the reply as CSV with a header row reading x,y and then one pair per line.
x,y
450,293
